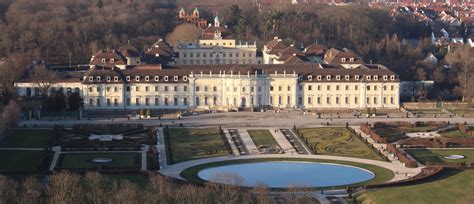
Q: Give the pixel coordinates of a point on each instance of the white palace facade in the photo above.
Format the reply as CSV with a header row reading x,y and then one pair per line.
x,y
230,87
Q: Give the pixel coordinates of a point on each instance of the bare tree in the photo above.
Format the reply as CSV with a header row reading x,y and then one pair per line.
x,y
462,59
30,191
8,76
96,187
127,193
8,192
64,188
184,33
44,79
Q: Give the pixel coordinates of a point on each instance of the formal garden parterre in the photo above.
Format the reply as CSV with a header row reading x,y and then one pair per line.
x,y
183,144
338,141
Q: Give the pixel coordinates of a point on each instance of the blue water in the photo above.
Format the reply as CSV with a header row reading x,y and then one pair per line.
x,y
286,174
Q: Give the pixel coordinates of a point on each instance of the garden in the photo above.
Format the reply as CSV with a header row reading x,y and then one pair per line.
x,y
27,138
393,132
84,161
437,156
183,144
24,161
264,141
338,141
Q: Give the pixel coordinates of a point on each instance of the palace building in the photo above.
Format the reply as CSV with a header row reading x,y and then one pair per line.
x,y
217,45
230,87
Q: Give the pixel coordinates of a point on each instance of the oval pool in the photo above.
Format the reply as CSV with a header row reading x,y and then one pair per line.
x,y
286,174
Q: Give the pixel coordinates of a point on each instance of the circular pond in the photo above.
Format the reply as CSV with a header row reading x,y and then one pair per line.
x,y
286,174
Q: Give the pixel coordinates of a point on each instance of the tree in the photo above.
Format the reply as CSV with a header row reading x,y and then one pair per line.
x,y
31,191
8,76
97,187
55,102
461,59
64,188
43,78
75,101
184,33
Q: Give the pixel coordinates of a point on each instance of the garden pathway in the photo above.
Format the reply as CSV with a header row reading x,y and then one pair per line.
x,y
248,142
21,149
235,151
160,146
282,141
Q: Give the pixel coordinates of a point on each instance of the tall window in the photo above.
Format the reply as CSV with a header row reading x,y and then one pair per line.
x,y
137,101
175,101
147,101
185,101
166,102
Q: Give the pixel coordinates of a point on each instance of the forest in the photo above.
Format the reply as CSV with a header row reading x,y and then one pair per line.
x,y
59,30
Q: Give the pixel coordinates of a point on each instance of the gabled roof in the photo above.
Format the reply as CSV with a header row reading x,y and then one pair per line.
x,y
208,33
108,55
315,49
335,56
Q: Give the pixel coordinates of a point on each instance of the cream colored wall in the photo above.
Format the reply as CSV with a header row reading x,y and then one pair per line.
x,y
235,86
244,55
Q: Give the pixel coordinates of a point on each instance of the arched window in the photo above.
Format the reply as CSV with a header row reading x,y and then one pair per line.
x,y
37,91
77,90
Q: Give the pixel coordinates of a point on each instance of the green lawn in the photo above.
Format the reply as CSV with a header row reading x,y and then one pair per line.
x,y
185,144
451,187
339,141
437,155
461,111
382,175
456,133
84,160
427,111
20,160
395,133
263,138
27,138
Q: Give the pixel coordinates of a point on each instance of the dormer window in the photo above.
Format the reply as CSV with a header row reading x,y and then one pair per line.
x,y
356,77
185,78
351,59
166,78
175,78
128,78
103,60
137,78
319,77
376,77
385,77
116,79
310,77
147,78
328,77
108,79
112,60
343,59
392,77
347,77
300,78
157,78
91,79
368,77
338,77
98,78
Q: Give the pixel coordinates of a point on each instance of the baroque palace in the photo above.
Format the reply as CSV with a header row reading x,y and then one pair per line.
x,y
284,77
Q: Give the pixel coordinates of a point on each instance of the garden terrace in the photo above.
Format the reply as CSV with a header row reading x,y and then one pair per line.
x,y
402,157
28,138
183,144
83,161
24,161
395,131
439,142
264,141
77,139
339,141
437,156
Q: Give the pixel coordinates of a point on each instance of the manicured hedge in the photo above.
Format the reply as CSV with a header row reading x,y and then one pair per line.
x,y
376,137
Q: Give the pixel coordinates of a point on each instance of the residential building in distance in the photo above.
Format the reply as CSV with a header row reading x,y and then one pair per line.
x,y
217,45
